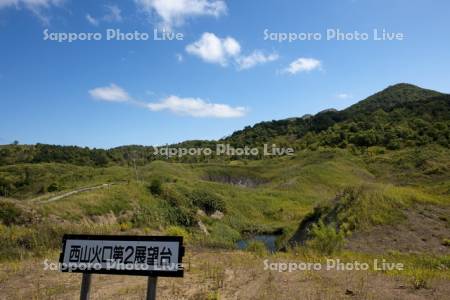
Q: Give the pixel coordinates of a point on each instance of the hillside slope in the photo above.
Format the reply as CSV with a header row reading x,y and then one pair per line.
x,y
403,143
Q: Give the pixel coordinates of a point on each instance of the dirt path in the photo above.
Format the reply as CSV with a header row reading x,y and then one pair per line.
x,y
67,194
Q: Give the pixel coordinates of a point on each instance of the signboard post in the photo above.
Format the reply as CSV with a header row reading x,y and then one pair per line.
x,y
85,286
150,256
151,287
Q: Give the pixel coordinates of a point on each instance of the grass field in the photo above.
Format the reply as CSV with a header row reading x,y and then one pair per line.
x,y
354,193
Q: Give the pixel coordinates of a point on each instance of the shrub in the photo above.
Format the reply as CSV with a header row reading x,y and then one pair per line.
x,y
155,187
420,279
11,214
325,239
183,216
221,235
52,187
257,247
178,231
19,242
208,201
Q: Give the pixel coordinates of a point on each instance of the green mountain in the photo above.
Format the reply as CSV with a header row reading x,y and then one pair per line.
x,y
399,116
392,96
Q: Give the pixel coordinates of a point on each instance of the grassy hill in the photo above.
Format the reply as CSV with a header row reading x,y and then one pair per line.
x,y
371,179
399,134
381,163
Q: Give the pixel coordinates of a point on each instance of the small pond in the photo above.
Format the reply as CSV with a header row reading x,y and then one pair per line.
x,y
267,239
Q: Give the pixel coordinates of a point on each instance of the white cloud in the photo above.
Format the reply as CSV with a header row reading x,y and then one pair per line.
x,y
213,49
112,93
255,58
231,46
197,107
37,7
344,96
92,20
303,65
174,13
194,107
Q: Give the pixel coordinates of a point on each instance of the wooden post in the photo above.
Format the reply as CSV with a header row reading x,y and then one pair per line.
x,y
85,286
151,287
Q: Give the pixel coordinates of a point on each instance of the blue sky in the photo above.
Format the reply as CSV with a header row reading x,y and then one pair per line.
x,y
223,75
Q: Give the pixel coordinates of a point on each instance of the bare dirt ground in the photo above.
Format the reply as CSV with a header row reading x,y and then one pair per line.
x,y
424,230
217,274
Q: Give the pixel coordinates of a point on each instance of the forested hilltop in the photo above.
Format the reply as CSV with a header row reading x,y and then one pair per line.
x,y
400,116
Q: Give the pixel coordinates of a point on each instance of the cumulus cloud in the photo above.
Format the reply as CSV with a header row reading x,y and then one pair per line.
x,y
213,49
197,107
255,58
174,13
194,107
37,7
303,65
112,93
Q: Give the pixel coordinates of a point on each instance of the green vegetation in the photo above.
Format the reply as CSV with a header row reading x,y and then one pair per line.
x,y
178,231
325,239
359,208
257,247
399,117
35,179
10,214
155,187
352,170
207,201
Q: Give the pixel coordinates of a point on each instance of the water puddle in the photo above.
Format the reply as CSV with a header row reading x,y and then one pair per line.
x,y
268,240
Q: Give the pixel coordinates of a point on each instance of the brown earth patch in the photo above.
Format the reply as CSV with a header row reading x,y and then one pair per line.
x,y
423,231
236,275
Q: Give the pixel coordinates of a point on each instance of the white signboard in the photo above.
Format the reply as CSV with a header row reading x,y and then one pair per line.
x,y
127,255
